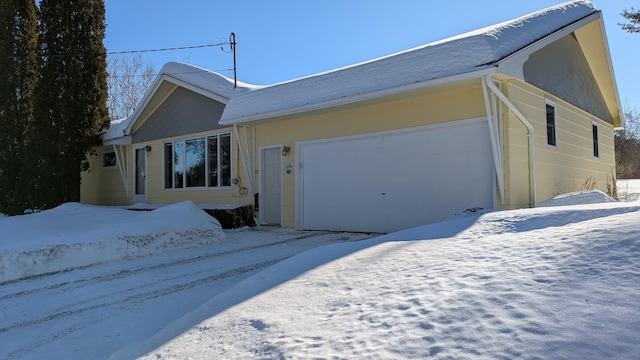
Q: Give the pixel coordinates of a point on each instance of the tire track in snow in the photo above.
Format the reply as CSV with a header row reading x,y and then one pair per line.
x,y
130,272
156,292
99,293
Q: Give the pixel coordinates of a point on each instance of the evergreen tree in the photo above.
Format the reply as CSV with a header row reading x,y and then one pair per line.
x,y
18,77
71,96
634,20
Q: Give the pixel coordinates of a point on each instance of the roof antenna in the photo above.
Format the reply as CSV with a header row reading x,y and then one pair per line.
x,y
232,43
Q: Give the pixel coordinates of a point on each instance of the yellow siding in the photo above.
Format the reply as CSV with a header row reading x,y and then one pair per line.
x,y
368,117
103,186
559,169
156,194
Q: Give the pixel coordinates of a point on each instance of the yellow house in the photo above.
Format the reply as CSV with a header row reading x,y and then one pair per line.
x,y
502,117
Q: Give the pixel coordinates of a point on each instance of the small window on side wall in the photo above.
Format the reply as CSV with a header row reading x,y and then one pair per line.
x,y
108,159
596,147
551,125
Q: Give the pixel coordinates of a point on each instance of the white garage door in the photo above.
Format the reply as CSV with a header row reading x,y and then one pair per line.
x,y
390,181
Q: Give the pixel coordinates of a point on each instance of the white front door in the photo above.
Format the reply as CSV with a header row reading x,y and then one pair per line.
x,y
140,178
271,185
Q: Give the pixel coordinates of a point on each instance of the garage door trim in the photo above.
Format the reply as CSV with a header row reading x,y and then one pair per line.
x,y
300,161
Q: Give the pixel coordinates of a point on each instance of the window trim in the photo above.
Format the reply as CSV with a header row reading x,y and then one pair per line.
x,y
206,186
595,137
115,159
551,104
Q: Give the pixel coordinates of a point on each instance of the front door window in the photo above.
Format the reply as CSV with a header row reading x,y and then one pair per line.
x,y
141,168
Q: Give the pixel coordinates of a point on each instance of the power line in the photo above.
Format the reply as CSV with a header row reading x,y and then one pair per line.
x,y
166,49
156,74
137,51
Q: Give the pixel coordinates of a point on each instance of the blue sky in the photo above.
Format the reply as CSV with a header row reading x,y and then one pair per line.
x,y
287,39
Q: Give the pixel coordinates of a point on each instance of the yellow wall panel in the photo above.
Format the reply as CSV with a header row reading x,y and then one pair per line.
x,y
366,117
567,166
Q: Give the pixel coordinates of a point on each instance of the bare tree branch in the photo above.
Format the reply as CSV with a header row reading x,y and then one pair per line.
x,y
129,79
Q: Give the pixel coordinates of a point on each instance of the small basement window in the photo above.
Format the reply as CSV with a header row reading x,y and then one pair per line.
x,y
551,125
109,159
596,147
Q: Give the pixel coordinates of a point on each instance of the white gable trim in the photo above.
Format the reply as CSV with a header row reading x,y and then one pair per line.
x,y
156,85
513,64
196,89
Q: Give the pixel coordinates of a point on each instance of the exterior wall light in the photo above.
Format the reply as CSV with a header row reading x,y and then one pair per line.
x,y
285,150
147,148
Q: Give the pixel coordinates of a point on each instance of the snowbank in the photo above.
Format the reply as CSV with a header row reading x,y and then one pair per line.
x,y
578,198
551,282
75,235
629,190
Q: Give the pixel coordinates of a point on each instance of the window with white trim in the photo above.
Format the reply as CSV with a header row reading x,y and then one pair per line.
x,y
551,124
596,146
108,159
203,162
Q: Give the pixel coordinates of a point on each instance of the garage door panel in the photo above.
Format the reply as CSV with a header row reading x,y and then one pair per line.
x,y
387,182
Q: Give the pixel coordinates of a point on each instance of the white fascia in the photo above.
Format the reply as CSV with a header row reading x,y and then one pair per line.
x,y
488,70
513,64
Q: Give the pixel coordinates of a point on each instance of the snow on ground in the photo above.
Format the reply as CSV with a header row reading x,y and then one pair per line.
x,y
91,312
551,282
74,235
577,198
629,190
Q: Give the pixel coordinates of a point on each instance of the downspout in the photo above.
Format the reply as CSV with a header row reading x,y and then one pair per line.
x,y
244,160
496,144
530,134
246,148
123,172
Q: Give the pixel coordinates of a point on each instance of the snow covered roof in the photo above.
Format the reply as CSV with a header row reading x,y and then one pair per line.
x,y
116,129
204,79
200,80
467,53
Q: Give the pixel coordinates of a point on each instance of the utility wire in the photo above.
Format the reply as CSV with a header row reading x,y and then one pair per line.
x,y
165,49
139,51
156,74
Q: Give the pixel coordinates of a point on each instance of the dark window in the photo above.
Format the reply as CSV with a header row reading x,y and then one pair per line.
x,y
168,165
178,164
225,159
109,159
213,160
195,155
551,125
198,162
596,150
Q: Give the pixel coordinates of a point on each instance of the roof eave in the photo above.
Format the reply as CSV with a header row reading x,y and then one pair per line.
x,y
512,65
485,70
123,140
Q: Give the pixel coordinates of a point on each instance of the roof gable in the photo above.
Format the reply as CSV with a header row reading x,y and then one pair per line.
x,y
172,76
181,113
561,69
475,51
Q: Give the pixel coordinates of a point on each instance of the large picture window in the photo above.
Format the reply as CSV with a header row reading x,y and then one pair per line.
x,y
198,163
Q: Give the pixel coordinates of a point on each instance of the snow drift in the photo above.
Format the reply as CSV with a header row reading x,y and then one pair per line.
x,y
549,282
75,235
